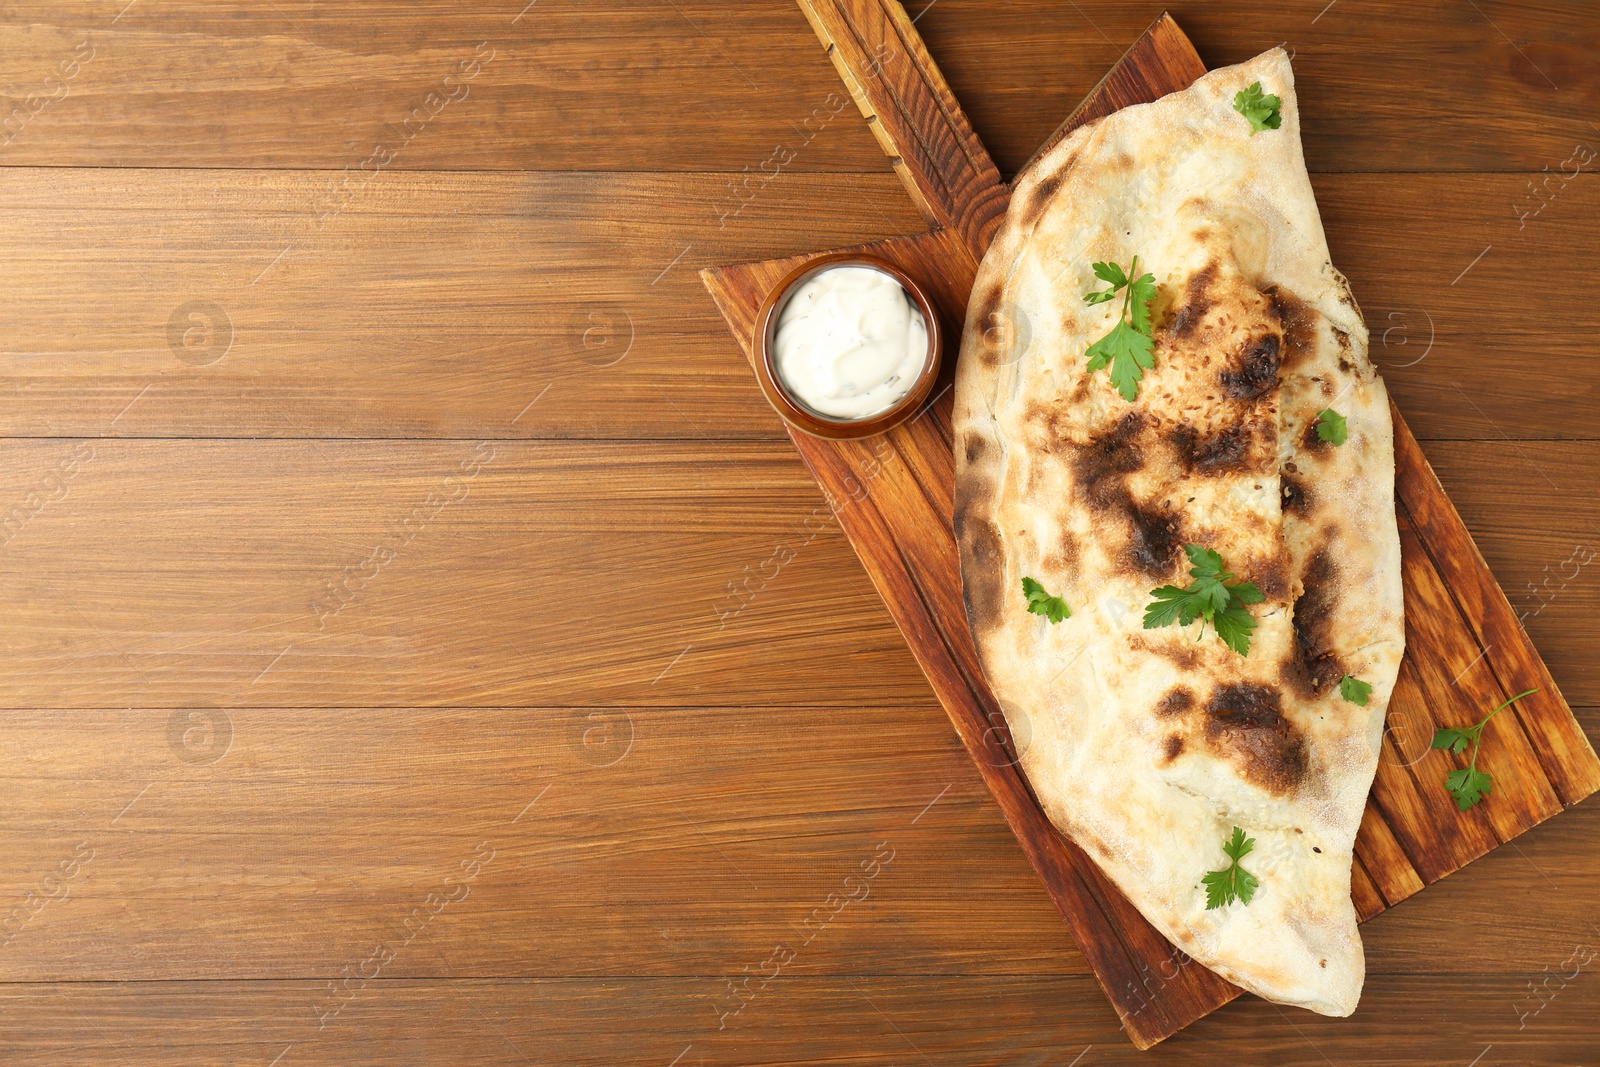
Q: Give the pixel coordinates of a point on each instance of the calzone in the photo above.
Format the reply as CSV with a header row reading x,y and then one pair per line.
x,y
1258,437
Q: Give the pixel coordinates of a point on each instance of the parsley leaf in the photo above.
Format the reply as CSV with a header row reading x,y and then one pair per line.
x,y
1128,348
1042,603
1208,597
1171,605
1260,108
1233,882
1203,562
1142,290
1107,272
1331,427
1233,625
1130,354
1468,784
1456,740
1354,690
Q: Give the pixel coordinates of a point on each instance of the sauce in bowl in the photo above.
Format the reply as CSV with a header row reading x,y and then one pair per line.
x,y
850,342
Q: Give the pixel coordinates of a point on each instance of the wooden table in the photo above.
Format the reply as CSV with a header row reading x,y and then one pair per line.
x,y
422,645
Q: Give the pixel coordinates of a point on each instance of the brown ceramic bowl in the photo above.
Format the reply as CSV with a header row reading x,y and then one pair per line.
x,y
792,408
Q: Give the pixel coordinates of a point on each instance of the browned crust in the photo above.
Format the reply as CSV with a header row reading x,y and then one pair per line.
x,y
989,329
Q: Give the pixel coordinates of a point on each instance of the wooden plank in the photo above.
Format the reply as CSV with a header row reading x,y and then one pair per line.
x,y
1536,874
151,573
200,616
907,546
430,306
439,305
1434,838
1029,1022
1446,651
1425,276
670,842
1383,864
583,86
1548,566
298,83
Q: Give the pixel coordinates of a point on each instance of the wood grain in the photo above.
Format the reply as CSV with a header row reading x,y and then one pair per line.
x,y
1030,1022
562,85
699,837
905,538
439,305
170,571
318,572
429,306
607,152
628,86
1488,103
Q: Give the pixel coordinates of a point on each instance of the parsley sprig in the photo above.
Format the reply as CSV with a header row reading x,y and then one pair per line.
x,y
1209,597
1042,603
1233,882
1128,348
1331,427
1259,107
1468,784
1355,690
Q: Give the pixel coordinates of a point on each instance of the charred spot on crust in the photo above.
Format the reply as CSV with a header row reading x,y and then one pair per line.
x,y
1171,748
1050,417
1346,297
1299,323
1100,466
1101,469
984,573
1156,539
1315,667
1271,577
1219,453
986,308
1246,704
1245,723
1195,301
1065,557
1177,701
1183,656
1310,442
1297,496
1257,371
1042,193
976,447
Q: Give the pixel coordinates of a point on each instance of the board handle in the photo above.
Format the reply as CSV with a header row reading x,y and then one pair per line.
x,y
913,114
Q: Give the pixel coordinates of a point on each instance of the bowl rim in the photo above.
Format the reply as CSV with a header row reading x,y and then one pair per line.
x,y
790,408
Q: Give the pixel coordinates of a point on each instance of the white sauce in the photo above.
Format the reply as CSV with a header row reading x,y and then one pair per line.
x,y
850,343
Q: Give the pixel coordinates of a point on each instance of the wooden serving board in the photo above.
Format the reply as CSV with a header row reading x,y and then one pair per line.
x,y
1465,649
